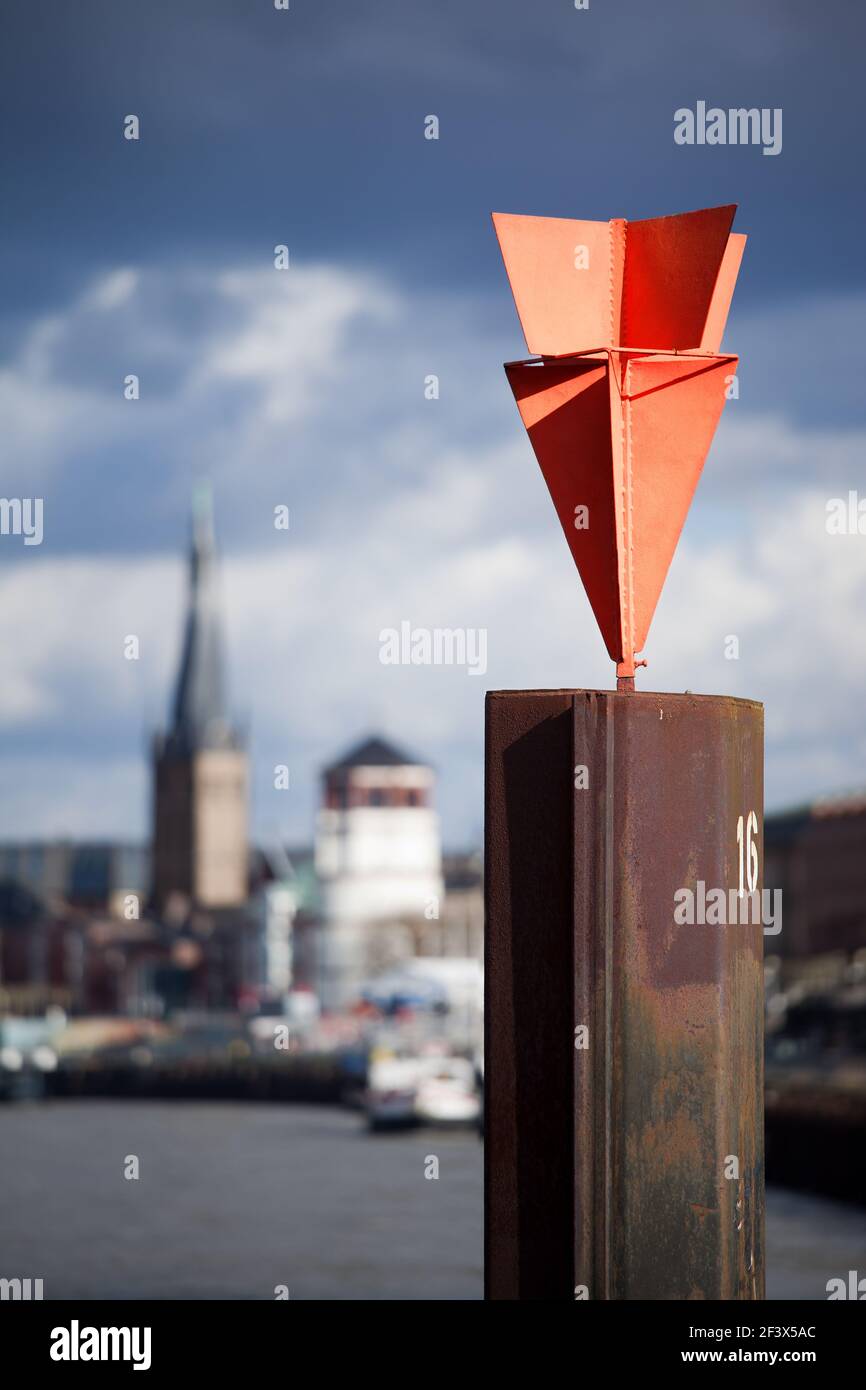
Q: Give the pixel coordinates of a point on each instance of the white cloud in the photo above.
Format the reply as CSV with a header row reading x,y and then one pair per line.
x,y
304,642
307,388
289,336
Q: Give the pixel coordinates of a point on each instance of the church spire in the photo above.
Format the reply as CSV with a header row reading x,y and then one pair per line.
x,y
199,717
201,774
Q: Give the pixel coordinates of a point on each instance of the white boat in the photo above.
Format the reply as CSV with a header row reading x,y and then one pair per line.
x,y
392,1085
447,1092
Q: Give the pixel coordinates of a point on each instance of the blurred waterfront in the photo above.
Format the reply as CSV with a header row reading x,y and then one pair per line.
x,y
233,1200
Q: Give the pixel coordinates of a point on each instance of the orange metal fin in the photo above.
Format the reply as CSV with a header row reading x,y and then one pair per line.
x,y
558,269
566,412
671,409
723,293
671,269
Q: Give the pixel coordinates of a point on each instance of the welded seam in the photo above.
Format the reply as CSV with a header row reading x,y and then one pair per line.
x,y
628,518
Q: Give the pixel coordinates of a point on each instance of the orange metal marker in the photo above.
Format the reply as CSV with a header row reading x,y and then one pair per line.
x,y
624,394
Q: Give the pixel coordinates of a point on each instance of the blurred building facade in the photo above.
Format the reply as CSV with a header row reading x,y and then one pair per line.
x,y
196,921
378,865
816,854
378,850
85,875
202,920
383,897
815,968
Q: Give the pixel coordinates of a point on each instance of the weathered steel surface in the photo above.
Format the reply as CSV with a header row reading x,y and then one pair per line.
x,y
606,1165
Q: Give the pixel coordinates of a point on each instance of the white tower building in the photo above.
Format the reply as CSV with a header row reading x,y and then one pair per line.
x,y
379,864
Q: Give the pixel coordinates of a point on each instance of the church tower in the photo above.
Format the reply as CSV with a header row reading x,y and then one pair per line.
x,y
200,830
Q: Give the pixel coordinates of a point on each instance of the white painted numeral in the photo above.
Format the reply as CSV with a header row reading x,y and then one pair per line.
x,y
749,859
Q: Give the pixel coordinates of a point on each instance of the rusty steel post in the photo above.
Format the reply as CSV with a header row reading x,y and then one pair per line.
x,y
624,1047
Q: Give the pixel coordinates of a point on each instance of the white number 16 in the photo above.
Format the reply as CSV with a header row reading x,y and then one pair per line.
x,y
751,852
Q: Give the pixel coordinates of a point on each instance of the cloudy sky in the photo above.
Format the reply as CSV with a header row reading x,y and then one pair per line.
x,y
306,388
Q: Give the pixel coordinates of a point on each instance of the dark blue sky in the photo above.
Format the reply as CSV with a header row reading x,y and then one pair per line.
x,y
305,126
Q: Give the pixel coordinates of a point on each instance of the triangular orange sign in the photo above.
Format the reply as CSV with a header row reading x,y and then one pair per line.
x,y
621,426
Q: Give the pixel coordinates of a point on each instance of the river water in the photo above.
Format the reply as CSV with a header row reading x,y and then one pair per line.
x,y
234,1200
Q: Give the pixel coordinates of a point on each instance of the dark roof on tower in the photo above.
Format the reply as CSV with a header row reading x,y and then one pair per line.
x,y
199,715
374,752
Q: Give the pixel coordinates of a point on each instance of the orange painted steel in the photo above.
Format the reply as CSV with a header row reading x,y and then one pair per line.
x,y
621,433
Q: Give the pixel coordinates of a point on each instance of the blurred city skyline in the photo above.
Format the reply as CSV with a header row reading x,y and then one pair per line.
x,y
306,388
